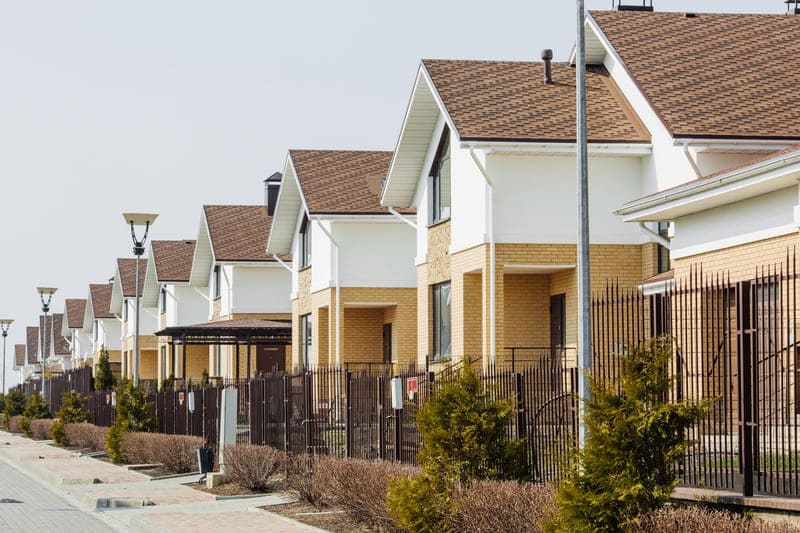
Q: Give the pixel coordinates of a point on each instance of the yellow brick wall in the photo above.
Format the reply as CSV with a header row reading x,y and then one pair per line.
x,y
162,320
649,260
527,308
423,314
216,312
439,252
742,261
148,364
362,335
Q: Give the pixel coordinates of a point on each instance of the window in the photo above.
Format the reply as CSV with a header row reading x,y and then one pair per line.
x,y
218,360
163,300
305,243
305,340
96,330
124,310
663,253
217,282
442,348
164,369
440,181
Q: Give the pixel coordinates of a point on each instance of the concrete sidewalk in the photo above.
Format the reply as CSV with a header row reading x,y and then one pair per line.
x,y
129,501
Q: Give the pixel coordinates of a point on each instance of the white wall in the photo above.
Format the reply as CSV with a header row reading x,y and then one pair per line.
x,y
149,317
376,254
109,333
758,218
187,307
711,162
322,257
261,289
469,200
421,200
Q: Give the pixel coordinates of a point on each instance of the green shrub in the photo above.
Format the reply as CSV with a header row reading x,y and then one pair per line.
x,y
14,406
36,409
464,435
633,439
73,411
103,377
133,415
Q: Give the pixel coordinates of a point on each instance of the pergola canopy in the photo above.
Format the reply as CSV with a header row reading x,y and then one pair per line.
x,y
252,331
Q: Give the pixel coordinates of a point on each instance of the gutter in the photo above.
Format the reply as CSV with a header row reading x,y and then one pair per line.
x,y
492,266
338,293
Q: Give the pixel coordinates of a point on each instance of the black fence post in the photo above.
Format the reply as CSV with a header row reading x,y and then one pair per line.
x,y
348,420
286,413
522,429
307,390
398,435
381,418
744,338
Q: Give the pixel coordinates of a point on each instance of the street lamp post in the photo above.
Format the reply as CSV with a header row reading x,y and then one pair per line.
x,y
146,220
4,325
46,296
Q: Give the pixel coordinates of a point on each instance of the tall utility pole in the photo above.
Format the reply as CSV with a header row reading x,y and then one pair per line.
x,y
5,323
584,324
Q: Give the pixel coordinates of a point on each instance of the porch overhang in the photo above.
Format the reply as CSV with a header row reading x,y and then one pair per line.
x,y
250,331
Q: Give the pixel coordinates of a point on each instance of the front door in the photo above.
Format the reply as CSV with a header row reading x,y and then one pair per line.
x,y
270,358
558,319
387,343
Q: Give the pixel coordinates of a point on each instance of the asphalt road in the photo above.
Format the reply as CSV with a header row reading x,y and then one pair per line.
x,y
27,505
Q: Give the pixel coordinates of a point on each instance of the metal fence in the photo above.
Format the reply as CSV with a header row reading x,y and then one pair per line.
x,y
734,345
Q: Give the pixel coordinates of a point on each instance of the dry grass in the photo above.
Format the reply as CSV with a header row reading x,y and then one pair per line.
x,y
86,436
252,467
40,428
508,506
175,453
14,424
699,520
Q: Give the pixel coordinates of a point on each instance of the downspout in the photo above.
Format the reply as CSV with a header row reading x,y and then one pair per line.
x,y
698,174
338,293
230,291
281,262
492,267
401,217
655,236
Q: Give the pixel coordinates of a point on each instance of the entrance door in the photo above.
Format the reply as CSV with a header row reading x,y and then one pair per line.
x,y
387,343
270,358
558,319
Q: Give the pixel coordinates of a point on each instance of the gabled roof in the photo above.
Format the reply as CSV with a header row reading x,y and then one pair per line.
x,y
124,285
764,174
19,355
170,262
46,326
507,101
173,260
99,301
60,345
712,75
32,338
238,232
74,309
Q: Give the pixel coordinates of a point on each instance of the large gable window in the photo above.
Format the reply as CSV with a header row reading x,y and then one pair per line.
x,y
217,282
305,341
442,346
440,180
305,243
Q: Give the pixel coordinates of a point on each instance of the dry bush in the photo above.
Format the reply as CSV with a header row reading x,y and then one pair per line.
x,y
700,520
252,467
303,477
175,453
40,428
14,424
359,487
86,436
493,506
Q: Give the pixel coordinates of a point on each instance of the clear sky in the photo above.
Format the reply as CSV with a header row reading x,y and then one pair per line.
x,y
166,105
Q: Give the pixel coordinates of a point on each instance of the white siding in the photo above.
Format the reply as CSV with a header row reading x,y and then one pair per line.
x,y
263,289
375,254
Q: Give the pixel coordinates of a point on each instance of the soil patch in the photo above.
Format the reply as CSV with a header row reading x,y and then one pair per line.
x,y
327,518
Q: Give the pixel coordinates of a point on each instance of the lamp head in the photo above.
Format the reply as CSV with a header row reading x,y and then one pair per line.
x,y
46,295
4,324
139,219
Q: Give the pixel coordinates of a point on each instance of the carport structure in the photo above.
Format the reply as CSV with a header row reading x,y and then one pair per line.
x,y
241,332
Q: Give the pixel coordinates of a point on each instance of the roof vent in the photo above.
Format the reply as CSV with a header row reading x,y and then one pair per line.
x,y
690,15
793,6
631,5
547,57
272,185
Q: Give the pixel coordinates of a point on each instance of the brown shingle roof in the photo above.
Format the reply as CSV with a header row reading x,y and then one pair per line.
x,y
101,300
75,309
127,273
173,259
714,75
238,232
341,181
47,329
32,338
19,355
507,101
61,345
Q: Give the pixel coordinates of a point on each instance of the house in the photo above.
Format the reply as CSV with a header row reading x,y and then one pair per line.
x,y
123,306
72,329
104,328
486,156
353,278
33,366
247,296
166,287
20,355
56,346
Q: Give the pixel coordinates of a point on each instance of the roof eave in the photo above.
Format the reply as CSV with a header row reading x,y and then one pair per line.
x,y
287,209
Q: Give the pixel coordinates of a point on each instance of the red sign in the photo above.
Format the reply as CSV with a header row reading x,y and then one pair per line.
x,y
412,386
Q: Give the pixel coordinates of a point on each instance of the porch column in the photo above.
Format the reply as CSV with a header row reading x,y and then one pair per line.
x,y
183,349
237,360
248,357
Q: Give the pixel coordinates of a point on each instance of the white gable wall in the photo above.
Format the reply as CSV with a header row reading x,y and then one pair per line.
x,y
761,217
109,333
261,289
376,254
186,306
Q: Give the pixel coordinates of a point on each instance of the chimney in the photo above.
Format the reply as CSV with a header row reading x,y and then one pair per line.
x,y
631,5
547,57
272,186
